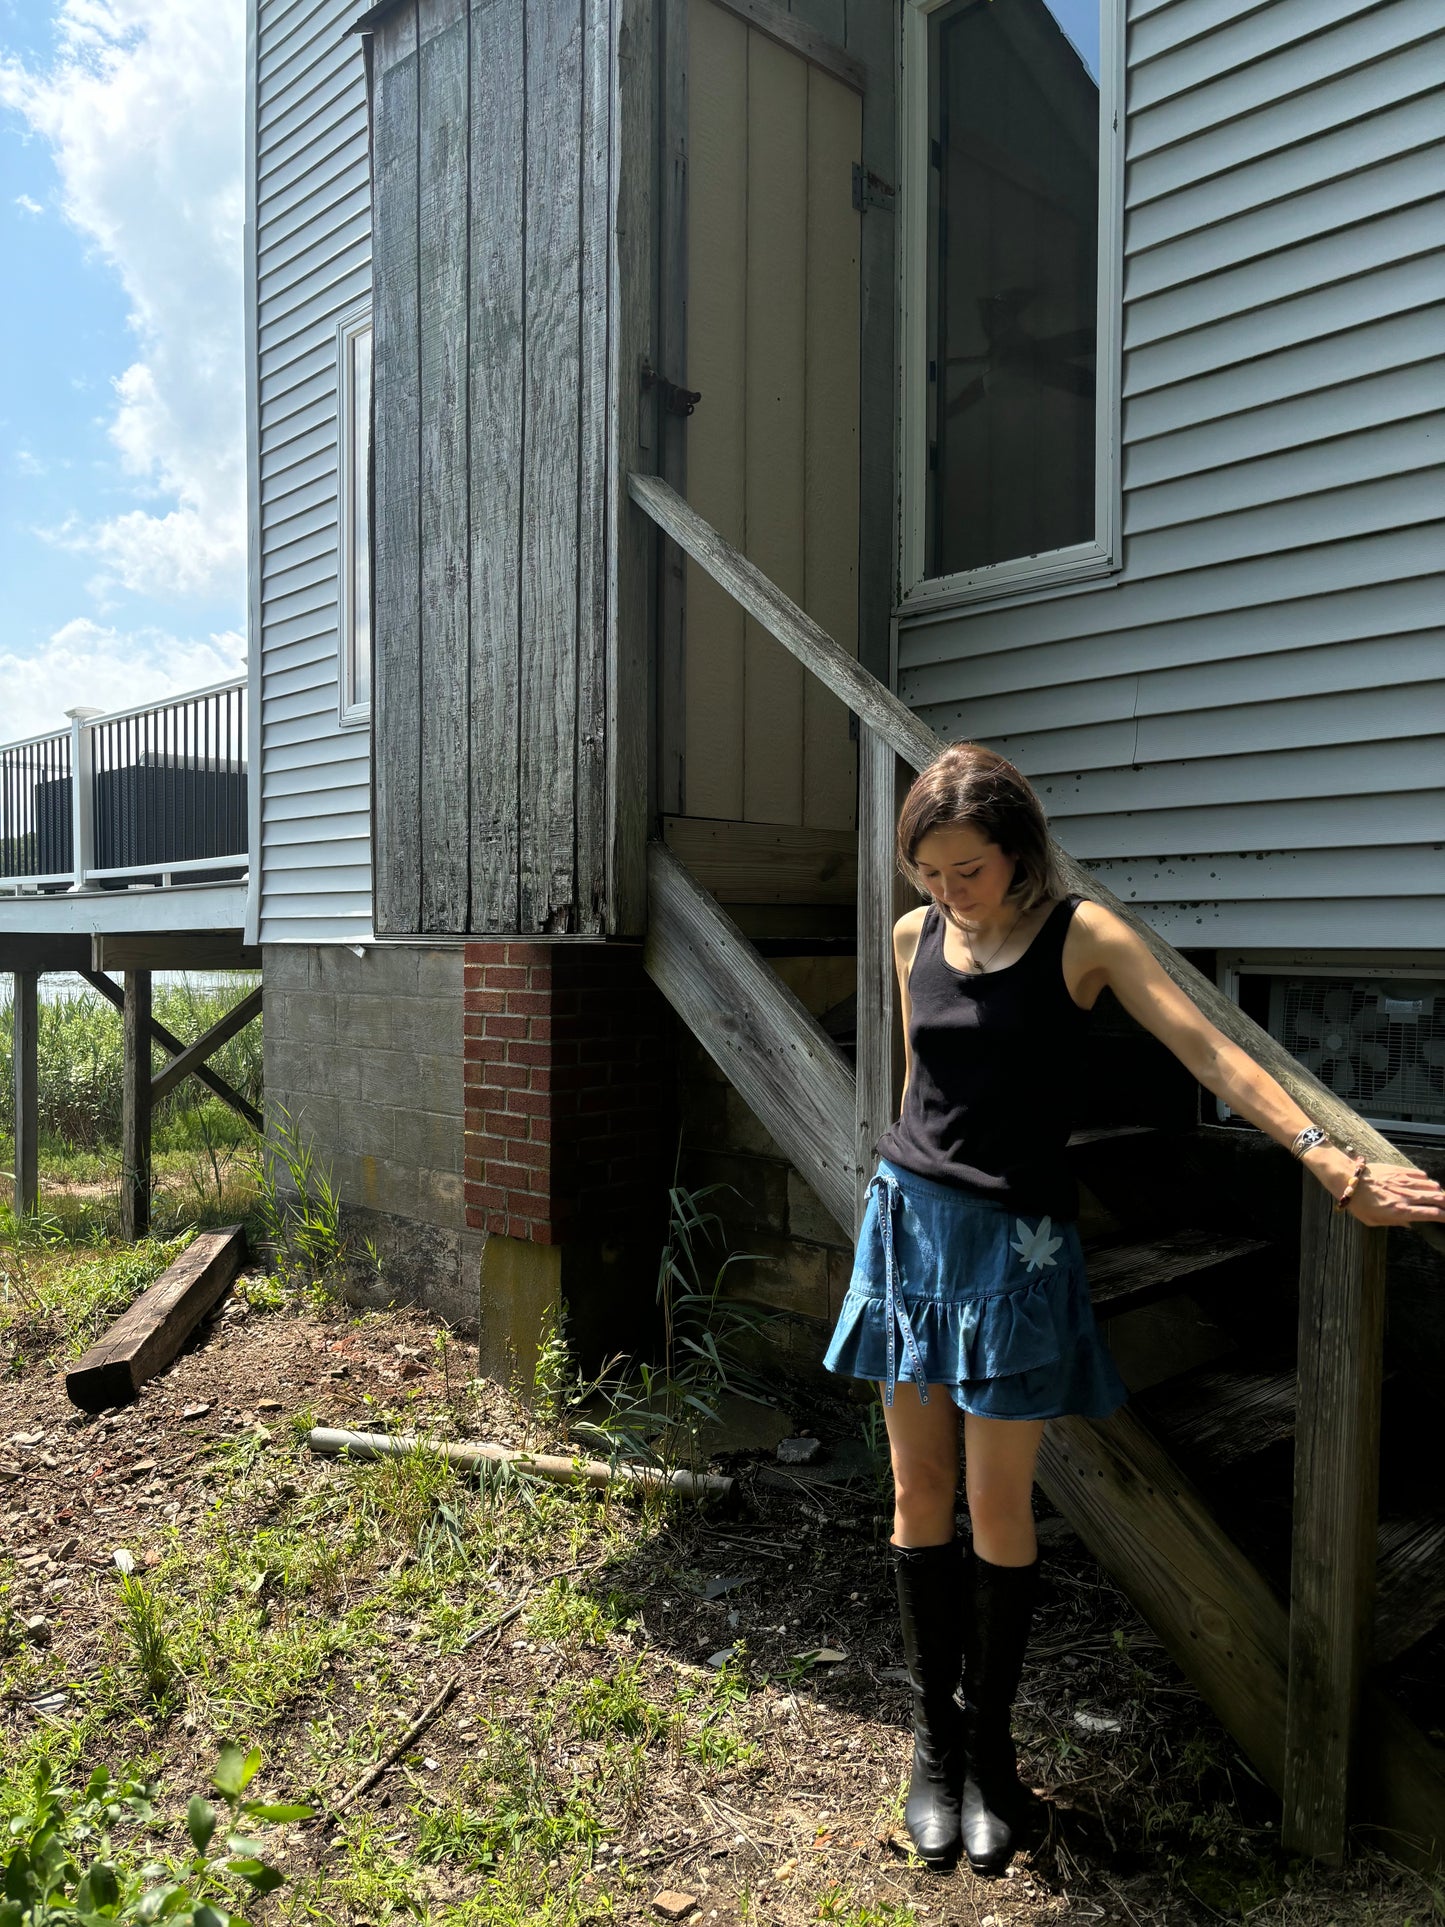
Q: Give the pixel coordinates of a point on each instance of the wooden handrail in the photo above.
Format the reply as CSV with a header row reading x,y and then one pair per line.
x,y
911,738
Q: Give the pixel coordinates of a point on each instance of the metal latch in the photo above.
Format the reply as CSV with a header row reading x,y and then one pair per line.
x,y
677,401
870,190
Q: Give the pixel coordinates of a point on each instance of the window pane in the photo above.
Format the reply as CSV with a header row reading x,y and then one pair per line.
x,y
1013,271
360,538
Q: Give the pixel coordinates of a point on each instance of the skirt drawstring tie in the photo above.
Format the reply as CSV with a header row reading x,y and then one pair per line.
x,y
890,1194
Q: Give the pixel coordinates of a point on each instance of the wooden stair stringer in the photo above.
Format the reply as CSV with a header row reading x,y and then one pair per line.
x,y
1152,1532
773,1051
1227,1630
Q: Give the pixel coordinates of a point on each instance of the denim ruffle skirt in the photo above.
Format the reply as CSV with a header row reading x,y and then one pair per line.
x,y
954,1291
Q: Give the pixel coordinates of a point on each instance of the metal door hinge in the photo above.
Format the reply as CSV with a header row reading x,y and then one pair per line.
x,y
676,401
869,190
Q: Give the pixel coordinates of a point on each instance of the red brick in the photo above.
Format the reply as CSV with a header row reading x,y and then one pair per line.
x,y
508,1077
505,976
529,1103
503,1124
528,1003
539,1054
508,1027
485,1197
530,1150
532,954
481,1050
486,1148
541,1131
478,1002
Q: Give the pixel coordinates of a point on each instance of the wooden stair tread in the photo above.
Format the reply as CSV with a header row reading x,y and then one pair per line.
x,y
1221,1414
1127,1275
1409,1581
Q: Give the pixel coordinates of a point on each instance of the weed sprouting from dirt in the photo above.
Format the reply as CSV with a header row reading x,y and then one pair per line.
x,y
143,1624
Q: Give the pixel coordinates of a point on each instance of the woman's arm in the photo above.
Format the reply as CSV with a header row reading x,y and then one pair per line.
x,y
1102,951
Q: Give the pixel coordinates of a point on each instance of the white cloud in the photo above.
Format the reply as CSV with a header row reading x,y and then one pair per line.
x,y
142,108
84,662
30,207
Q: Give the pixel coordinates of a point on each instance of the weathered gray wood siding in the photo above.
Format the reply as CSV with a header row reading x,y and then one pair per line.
x,y
313,265
1245,733
491,124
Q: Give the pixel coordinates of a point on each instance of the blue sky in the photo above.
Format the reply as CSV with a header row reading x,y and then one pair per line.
x,y
122,524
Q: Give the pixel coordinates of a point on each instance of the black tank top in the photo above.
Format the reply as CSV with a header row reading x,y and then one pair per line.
x,y
996,1058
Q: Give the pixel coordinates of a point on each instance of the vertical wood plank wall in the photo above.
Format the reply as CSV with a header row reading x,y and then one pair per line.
x,y
772,452
493,136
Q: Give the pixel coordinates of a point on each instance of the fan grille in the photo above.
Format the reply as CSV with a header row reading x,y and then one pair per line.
x,y
1377,1043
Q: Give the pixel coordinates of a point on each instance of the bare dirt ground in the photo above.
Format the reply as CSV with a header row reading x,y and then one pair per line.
x,y
589,1763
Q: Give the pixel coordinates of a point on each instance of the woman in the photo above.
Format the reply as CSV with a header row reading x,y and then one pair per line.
x,y
968,1293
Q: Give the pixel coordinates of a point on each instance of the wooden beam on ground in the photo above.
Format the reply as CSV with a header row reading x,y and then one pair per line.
x,y
135,1116
777,1056
145,1339
168,1040
1149,1528
765,862
23,950
190,1056
1336,1495
172,950
26,1043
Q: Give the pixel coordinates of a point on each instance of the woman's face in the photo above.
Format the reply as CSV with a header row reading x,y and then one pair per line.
x,y
966,873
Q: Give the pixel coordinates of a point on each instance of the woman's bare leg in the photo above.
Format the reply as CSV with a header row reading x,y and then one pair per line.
x,y
923,1440
999,1457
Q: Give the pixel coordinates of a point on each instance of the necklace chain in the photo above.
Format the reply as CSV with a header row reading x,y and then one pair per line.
x,y
976,964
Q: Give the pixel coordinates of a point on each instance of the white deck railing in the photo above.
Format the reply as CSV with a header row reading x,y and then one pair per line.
x,y
148,794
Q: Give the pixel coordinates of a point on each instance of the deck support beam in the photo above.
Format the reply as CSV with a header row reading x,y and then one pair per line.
x,y
135,1123
26,1039
1336,1506
168,1041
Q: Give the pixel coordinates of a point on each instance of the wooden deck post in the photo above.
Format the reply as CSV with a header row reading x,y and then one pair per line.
x,y
135,1128
1336,1501
882,897
27,1091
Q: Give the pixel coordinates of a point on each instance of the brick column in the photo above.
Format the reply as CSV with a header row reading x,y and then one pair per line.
x,y
569,1114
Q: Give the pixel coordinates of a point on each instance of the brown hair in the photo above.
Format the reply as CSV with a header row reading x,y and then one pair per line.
x,y
968,786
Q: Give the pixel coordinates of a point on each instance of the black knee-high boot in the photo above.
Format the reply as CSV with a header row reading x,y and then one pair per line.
x,y
998,1619
931,1586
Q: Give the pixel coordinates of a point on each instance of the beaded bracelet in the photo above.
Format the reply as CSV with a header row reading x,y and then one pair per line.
x,y
1342,1201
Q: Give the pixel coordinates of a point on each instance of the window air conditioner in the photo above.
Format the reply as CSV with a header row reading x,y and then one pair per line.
x,y
1376,1040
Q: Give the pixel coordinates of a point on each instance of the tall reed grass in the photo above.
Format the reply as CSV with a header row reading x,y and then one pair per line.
x,y
80,1063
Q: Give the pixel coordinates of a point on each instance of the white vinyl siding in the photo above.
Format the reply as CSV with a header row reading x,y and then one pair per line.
x,y
312,268
1244,732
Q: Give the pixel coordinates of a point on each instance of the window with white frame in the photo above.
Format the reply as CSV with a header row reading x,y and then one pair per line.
x,y
354,547
1012,186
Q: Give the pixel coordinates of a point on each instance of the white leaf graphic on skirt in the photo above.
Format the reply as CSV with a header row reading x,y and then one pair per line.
x,y
1036,1248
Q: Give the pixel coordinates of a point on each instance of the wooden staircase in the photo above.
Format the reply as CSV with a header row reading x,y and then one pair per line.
x,y
1236,1498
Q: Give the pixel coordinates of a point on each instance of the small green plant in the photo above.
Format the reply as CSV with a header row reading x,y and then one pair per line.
x,y
566,1612
603,1708
58,1862
558,1387
143,1622
300,1221
657,1413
